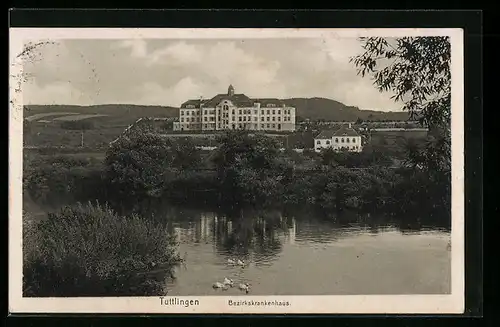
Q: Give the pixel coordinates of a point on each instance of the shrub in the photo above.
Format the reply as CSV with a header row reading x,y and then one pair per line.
x,y
89,250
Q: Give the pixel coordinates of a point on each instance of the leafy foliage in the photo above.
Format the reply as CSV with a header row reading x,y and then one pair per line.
x,y
417,71
140,164
249,167
88,250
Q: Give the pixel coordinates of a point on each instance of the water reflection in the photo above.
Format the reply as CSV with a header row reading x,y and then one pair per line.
x,y
303,245
258,236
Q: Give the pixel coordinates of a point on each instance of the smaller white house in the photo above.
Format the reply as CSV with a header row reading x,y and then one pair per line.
x,y
343,139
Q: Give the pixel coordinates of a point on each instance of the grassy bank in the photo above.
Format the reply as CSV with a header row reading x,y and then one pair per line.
x,y
89,250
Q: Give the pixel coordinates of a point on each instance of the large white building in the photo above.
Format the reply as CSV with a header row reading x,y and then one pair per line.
x,y
235,111
344,138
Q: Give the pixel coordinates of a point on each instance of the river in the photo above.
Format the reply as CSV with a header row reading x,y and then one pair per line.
x,y
306,256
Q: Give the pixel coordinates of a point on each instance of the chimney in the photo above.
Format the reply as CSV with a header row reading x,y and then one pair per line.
x,y
350,126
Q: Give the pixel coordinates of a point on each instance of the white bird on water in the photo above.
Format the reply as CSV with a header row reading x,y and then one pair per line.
x,y
240,263
228,282
244,287
218,285
231,261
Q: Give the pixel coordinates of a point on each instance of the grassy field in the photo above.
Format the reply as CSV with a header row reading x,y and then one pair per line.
x,y
43,124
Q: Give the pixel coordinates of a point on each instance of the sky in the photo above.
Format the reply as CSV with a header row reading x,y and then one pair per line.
x,y
170,71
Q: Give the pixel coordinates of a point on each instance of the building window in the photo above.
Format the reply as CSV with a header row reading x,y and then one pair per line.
x,y
239,125
239,118
226,107
239,112
318,142
268,112
182,112
255,112
255,126
327,142
274,112
347,140
232,111
262,126
182,120
274,125
232,118
279,112
262,112
342,140
187,113
267,125
268,118
255,118
234,126
353,140
279,118
244,118
274,118
336,140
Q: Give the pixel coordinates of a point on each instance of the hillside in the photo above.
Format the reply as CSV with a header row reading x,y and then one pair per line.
x,y
116,114
45,124
307,108
327,109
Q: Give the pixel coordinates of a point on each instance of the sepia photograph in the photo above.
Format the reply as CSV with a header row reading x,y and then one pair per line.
x,y
236,170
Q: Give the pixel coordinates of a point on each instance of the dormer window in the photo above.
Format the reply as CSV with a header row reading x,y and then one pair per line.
x,y
190,106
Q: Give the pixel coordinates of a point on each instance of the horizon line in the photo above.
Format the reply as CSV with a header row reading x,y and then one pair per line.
x,y
175,107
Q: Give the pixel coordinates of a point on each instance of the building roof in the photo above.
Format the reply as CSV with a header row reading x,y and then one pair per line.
x,y
326,134
239,100
345,130
265,101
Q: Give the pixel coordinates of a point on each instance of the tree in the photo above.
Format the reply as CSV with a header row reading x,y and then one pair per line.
x,y
417,71
249,168
185,154
136,167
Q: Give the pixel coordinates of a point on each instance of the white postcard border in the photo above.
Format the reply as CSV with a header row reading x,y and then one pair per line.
x,y
360,304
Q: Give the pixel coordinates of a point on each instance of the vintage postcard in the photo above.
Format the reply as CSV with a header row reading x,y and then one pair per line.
x,y
232,171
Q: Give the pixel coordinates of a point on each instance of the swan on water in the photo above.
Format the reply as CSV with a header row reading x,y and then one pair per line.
x,y
218,285
228,282
244,287
231,261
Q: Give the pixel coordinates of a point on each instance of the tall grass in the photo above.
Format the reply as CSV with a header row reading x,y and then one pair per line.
x,y
89,250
